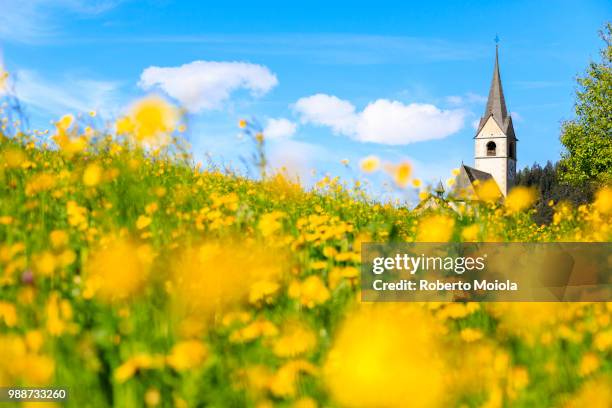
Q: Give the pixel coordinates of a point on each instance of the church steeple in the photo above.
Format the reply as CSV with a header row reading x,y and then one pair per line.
x,y
495,142
496,102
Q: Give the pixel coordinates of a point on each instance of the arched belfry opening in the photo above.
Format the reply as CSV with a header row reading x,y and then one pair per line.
x,y
491,149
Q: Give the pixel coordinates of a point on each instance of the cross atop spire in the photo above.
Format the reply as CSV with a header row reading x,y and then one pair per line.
x,y
496,103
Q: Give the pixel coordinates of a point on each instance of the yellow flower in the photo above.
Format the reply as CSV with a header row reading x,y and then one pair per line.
x,y
470,233
138,362
59,315
416,183
305,402
263,291
283,382
589,364
435,228
34,340
77,215
187,355
295,340
58,239
469,335
310,292
45,263
369,164
8,314
423,195
370,366
520,198
401,174
603,200
242,123
143,222
270,223
150,120
65,122
253,331
92,175
12,158
117,271
488,191
152,397
214,276
596,393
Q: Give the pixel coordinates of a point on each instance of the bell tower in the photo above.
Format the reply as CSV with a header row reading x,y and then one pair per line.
x,y
495,141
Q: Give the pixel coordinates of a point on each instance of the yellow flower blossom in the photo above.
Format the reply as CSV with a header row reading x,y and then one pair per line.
x,y
58,239
117,270
469,335
603,200
588,364
187,355
401,174
8,314
365,369
519,199
435,228
369,164
150,121
295,340
92,175
136,363
143,222
310,292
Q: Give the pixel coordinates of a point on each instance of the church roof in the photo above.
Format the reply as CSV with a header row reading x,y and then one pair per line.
x,y
466,181
496,103
469,174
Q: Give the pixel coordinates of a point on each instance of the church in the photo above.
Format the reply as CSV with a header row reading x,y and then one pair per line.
x,y
494,145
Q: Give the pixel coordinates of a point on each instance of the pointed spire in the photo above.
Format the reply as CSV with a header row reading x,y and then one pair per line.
x,y
496,104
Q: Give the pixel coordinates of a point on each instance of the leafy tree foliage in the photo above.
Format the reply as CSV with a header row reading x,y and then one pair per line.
x,y
547,182
588,138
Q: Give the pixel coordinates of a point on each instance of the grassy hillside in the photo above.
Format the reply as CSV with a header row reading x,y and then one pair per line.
x,y
136,278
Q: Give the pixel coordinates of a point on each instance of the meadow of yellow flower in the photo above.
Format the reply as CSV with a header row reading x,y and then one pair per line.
x,y
134,277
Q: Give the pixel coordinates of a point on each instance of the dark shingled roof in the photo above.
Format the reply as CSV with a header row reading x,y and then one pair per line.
x,y
496,103
464,183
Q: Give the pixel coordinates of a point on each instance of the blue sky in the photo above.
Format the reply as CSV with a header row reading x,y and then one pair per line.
x,y
400,80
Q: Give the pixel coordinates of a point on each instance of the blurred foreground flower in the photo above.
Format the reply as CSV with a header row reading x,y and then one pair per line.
x,y
207,279
369,164
150,121
385,356
117,270
520,198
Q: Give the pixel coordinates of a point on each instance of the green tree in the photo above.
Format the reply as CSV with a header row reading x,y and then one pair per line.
x,y
588,138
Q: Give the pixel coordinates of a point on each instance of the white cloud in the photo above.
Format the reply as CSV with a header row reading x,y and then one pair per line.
x,y
279,128
327,110
67,94
206,85
382,121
